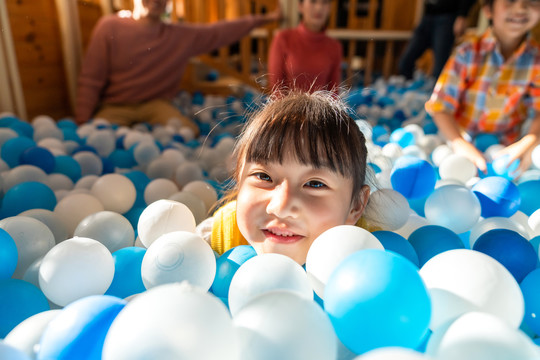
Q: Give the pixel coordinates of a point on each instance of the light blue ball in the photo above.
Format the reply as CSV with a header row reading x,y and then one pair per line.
x,y
413,177
402,137
226,266
509,248
531,295
78,332
530,196
394,242
18,301
498,196
26,196
376,298
127,279
431,240
501,166
13,148
8,255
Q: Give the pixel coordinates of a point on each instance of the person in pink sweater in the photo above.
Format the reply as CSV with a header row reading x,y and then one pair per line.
x,y
305,58
132,67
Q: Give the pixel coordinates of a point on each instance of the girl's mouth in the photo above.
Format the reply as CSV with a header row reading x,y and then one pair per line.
x,y
281,236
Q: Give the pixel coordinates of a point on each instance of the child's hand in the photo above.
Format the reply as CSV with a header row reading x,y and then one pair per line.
x,y
520,150
465,148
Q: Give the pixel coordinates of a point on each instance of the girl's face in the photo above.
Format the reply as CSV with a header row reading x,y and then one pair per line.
x,y
513,19
155,8
315,13
282,208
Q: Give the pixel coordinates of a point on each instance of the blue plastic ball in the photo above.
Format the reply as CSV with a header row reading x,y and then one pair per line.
x,y
394,242
122,159
531,296
431,240
485,140
509,248
127,279
67,123
402,137
18,301
13,148
23,129
498,196
501,166
530,196
68,166
71,134
376,298
413,177
226,266
40,157
79,330
8,255
26,196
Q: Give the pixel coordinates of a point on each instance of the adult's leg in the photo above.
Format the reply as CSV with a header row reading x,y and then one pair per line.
x,y
443,41
420,42
161,111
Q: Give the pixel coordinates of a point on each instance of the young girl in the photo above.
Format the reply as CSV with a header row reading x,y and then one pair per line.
x,y
300,170
305,57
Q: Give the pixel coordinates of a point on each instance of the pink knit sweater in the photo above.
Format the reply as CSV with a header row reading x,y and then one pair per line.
x,y
305,60
129,62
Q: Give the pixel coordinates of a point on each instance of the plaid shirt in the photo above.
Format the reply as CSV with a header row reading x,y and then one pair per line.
x,y
484,93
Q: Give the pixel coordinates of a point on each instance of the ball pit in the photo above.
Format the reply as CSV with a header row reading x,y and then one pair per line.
x,y
165,179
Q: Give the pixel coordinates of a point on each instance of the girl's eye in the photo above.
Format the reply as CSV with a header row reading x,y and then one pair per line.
x,y
262,176
315,184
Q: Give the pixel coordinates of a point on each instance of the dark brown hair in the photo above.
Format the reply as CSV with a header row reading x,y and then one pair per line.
x,y
316,128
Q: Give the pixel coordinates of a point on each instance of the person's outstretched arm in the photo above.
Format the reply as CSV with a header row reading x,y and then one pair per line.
x,y
93,76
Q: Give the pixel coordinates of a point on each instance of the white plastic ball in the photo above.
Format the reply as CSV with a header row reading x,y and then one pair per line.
x,y
429,142
187,133
54,145
73,208
454,207
176,257
51,219
193,202
161,168
32,238
86,182
24,173
457,167
26,336
492,150
396,210
57,181
480,335
164,216
109,228
173,321
12,353
461,280
46,132
522,220
145,152
331,247
158,189
416,151
103,141
76,268
115,191
283,325
414,222
440,153
267,272
6,134
187,172
495,222
392,151
203,190
90,163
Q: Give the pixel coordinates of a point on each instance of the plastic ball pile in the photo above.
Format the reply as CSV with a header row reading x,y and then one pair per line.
x,y
101,257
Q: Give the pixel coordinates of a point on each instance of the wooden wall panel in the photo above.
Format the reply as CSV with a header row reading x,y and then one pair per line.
x,y
89,14
34,25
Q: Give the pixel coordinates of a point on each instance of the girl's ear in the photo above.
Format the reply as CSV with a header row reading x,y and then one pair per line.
x,y
357,208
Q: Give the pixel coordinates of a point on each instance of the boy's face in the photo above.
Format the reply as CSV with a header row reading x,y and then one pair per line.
x,y
513,19
282,208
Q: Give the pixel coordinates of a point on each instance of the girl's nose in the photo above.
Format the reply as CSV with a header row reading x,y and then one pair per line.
x,y
282,202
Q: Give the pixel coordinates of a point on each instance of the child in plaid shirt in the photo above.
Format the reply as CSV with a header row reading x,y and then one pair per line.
x,y
491,84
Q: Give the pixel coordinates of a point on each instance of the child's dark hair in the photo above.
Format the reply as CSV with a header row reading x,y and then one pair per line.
x,y
317,129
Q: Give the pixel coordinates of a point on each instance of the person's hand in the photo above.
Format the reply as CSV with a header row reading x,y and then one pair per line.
x,y
460,25
465,148
520,150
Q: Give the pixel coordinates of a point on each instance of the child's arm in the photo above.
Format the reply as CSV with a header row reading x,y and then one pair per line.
x,y
448,127
522,149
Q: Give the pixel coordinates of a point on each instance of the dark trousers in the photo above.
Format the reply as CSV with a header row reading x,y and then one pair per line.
x,y
434,32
